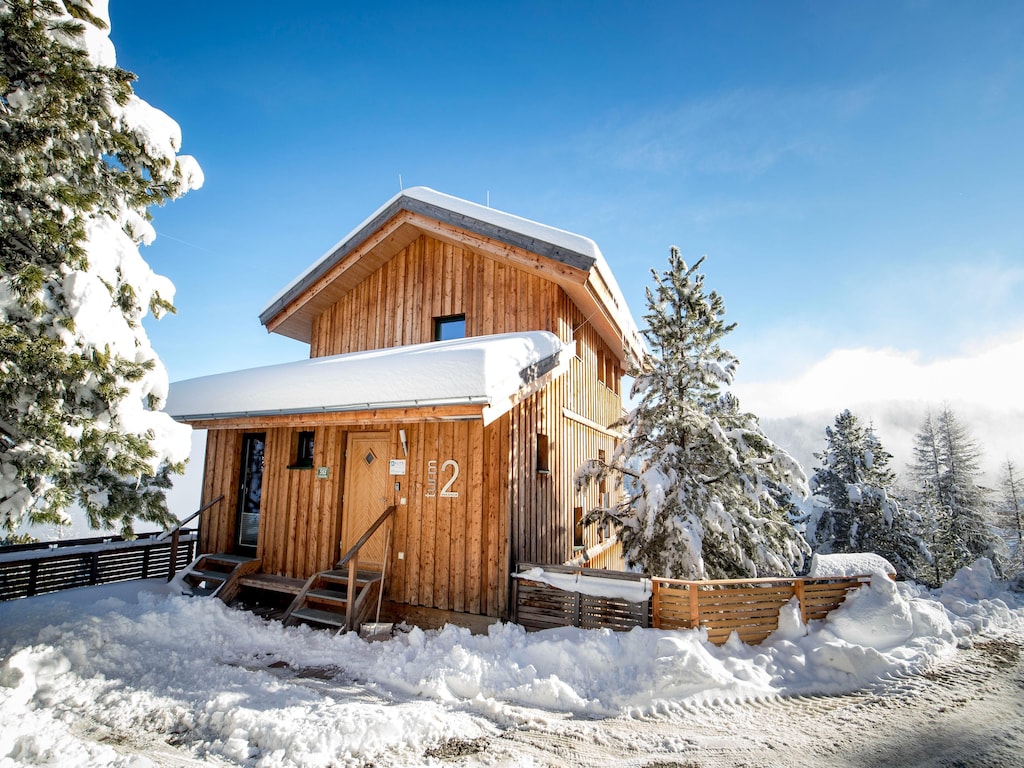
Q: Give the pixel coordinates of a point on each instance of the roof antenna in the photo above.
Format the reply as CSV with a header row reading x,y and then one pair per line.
x,y
400,187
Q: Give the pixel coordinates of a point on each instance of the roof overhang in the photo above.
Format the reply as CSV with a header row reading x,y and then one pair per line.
x,y
481,377
573,262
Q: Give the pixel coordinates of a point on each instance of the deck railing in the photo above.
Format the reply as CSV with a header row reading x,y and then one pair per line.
x,y
749,607
34,569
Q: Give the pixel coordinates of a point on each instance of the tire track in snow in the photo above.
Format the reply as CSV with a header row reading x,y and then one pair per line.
x,y
965,711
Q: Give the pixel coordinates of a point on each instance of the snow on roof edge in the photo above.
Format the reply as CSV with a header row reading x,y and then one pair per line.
x,y
490,371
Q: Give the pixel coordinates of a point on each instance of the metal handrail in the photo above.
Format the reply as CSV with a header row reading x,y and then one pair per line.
x,y
175,532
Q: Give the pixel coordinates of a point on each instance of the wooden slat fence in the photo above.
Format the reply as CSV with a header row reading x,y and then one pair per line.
x,y
749,607
29,570
542,606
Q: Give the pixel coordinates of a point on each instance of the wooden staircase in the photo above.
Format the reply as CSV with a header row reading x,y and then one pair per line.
x,y
217,575
324,600
344,596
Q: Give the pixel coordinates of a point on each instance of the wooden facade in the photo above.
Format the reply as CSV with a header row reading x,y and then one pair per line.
x,y
472,498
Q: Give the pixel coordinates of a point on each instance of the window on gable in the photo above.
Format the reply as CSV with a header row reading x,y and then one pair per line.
x,y
577,336
302,451
449,327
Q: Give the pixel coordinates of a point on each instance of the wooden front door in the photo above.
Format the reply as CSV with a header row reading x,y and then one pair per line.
x,y
366,494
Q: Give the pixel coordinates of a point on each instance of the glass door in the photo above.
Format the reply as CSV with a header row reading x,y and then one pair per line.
x,y
249,492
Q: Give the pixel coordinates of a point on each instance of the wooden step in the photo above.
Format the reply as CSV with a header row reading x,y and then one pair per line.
x,y
226,559
272,583
341,577
208,575
315,616
331,595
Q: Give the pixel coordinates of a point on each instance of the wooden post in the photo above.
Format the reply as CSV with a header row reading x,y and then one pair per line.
x,y
798,590
350,597
694,604
145,562
33,576
172,566
656,603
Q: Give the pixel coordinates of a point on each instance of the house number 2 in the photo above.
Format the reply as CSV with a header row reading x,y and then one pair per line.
x,y
446,490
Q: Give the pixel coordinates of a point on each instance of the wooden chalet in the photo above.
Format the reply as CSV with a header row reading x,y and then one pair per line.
x,y
464,363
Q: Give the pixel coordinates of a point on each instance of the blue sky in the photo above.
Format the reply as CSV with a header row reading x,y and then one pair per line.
x,y
853,171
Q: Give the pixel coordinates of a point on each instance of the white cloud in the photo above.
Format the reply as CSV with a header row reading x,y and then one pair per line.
x,y
894,390
990,376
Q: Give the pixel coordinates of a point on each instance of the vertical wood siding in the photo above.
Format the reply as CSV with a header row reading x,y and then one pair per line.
x,y
300,513
397,304
220,476
543,504
453,548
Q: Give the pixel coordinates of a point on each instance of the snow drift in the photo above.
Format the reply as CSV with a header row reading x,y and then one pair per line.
x,y
142,664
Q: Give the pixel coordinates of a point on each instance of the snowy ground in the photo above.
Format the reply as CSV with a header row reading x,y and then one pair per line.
x,y
134,675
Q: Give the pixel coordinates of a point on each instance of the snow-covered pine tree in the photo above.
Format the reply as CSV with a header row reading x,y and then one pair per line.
x,y
81,160
955,507
1010,512
862,512
705,491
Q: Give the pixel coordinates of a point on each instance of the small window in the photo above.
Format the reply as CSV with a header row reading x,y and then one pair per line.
x,y
602,484
449,327
577,528
543,452
577,337
302,455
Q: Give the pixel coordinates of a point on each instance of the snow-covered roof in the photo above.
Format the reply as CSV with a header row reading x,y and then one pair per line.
x,y
493,372
588,278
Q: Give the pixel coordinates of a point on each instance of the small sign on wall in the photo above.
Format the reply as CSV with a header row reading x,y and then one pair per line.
x,y
323,472
396,467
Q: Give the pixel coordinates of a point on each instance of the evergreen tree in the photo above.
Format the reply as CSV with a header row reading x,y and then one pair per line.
x,y
955,507
1010,511
81,160
706,492
862,512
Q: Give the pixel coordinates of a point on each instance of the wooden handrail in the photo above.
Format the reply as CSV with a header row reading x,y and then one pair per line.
x,y
366,536
188,519
351,559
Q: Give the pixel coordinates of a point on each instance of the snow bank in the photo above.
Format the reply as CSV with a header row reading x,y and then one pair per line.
x,y
849,564
977,601
139,666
